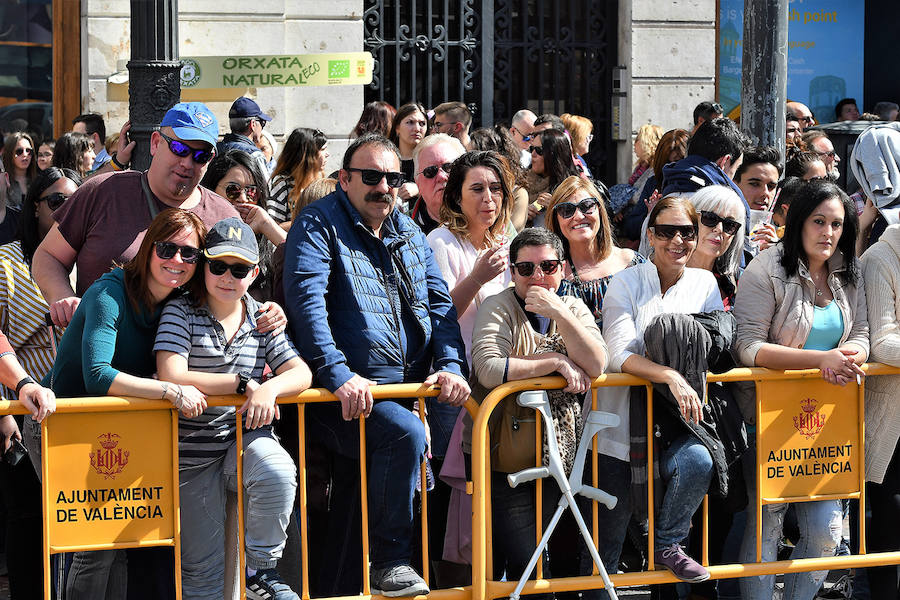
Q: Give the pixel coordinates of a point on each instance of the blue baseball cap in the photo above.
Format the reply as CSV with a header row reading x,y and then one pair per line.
x,y
247,107
192,121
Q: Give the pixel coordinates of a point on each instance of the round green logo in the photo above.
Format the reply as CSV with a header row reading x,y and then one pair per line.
x,y
190,72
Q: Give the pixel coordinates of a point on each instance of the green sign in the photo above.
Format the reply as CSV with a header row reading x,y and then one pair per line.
x,y
277,70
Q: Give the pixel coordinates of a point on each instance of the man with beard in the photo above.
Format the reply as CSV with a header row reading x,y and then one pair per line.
x,y
367,305
817,141
432,159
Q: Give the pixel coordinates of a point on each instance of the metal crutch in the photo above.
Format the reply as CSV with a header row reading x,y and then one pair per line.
x,y
595,421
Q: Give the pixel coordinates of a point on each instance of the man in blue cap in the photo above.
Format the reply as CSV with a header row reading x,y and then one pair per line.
x,y
247,121
106,219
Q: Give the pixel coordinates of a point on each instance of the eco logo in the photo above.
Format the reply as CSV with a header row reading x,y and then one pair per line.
x,y
190,72
338,69
810,421
109,460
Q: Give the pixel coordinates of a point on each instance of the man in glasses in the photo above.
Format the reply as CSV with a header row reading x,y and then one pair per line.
x,y
432,160
706,111
803,114
817,141
367,304
105,220
247,121
520,129
454,119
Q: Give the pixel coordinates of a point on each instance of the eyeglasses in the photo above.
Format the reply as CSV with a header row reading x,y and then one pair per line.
x,y
547,267
667,232
373,177
717,108
233,192
54,201
262,124
830,154
168,250
179,148
525,138
566,210
539,150
432,171
711,219
21,151
238,270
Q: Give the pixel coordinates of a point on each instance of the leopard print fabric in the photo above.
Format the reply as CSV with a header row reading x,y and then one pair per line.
x,y
565,409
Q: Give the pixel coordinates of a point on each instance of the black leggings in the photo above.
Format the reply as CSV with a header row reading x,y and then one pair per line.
x,y
883,533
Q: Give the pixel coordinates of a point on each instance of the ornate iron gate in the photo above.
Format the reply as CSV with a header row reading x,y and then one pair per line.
x,y
499,56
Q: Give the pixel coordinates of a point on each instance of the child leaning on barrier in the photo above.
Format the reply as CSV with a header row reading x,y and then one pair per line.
x,y
212,343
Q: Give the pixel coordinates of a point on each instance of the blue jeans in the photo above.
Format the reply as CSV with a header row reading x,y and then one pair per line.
x,y
395,445
820,532
613,477
686,468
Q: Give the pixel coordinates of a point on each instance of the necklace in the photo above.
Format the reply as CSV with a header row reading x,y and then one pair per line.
x,y
816,285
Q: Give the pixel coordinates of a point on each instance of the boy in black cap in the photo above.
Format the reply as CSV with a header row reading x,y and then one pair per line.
x,y
212,343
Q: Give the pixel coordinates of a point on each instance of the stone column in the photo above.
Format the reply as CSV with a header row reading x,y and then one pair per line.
x,y
154,84
764,71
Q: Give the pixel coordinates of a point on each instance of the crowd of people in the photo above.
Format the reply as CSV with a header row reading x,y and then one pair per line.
x,y
462,258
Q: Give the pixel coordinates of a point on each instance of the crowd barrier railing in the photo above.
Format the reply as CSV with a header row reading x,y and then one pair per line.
x,y
97,441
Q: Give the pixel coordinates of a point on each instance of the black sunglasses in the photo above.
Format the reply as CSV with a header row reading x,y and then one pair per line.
x,y
54,201
238,270
179,148
167,250
667,232
547,267
539,150
566,210
711,219
21,151
432,171
233,192
373,177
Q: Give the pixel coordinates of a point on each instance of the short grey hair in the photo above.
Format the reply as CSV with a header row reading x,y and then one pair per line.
x,y
521,116
240,124
433,140
722,199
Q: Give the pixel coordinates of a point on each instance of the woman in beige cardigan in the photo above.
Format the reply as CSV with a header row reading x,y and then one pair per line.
x,y
881,274
801,305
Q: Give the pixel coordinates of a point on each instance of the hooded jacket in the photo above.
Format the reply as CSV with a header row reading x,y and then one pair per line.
x,y
694,172
875,162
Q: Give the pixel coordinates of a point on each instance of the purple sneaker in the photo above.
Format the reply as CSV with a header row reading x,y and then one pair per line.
x,y
683,566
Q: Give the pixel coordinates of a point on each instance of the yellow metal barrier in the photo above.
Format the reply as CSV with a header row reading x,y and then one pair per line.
x,y
484,586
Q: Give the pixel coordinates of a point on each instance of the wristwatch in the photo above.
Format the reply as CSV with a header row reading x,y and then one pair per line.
x,y
23,382
243,380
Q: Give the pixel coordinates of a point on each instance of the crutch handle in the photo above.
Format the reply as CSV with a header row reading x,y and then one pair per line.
x,y
599,495
526,475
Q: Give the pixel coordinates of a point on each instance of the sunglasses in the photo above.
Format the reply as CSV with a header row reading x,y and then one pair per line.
x,y
711,219
566,210
525,138
667,232
373,177
830,154
179,148
233,192
21,151
54,201
167,250
547,267
432,171
539,150
238,270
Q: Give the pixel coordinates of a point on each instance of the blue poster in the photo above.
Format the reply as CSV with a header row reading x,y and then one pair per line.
x,y
825,53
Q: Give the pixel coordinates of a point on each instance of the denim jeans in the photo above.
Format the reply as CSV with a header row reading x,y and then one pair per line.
x,y
686,469
269,485
97,574
820,532
441,420
395,445
613,477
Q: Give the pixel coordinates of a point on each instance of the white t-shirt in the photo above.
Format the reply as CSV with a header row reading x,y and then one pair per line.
x,y
632,300
456,258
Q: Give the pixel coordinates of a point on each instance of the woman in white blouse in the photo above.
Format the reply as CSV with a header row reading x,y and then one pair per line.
x,y
635,296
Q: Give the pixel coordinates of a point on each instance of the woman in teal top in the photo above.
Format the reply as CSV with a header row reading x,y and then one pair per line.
x,y
800,305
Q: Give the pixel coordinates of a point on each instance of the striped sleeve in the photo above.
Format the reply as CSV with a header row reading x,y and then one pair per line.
x,y
278,204
279,350
174,334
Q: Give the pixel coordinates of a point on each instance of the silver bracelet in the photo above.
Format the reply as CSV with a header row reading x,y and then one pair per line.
x,y
165,387
179,400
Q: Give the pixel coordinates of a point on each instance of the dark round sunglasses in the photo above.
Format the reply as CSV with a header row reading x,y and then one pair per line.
x,y
54,201
587,206
711,219
547,267
179,148
168,250
432,171
373,176
233,192
21,151
238,270
667,232
539,150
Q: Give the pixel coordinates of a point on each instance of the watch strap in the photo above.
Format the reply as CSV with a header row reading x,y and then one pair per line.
x,y
23,382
